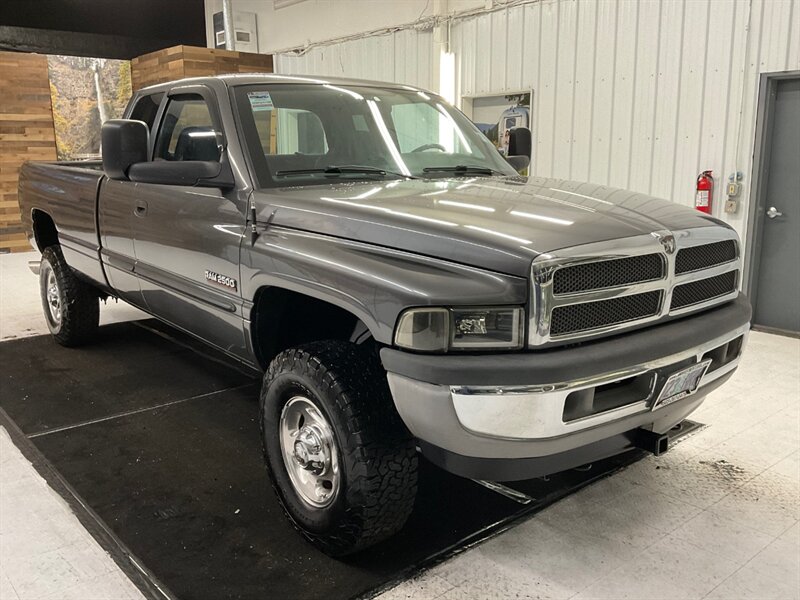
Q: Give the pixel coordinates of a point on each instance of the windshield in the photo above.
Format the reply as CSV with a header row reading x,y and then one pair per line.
x,y
300,134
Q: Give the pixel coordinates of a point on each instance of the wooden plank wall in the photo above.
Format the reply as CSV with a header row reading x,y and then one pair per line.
x,y
26,116
157,67
26,133
189,61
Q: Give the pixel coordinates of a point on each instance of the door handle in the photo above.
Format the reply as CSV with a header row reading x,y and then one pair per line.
x,y
773,212
141,208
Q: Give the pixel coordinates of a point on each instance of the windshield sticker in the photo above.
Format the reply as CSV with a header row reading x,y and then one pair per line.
x,y
260,101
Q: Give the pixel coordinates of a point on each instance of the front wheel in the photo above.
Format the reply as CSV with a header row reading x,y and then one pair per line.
x,y
71,306
341,461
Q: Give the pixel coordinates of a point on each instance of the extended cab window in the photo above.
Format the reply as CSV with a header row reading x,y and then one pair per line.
x,y
146,109
187,131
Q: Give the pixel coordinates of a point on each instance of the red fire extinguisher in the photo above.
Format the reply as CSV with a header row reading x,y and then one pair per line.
x,y
704,192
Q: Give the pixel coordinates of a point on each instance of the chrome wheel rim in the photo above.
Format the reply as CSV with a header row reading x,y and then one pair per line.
x,y
53,297
309,452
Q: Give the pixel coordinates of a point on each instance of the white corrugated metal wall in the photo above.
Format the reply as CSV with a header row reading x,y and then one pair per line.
x,y
641,95
404,56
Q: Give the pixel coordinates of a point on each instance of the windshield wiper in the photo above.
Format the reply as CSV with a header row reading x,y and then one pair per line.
x,y
464,170
343,170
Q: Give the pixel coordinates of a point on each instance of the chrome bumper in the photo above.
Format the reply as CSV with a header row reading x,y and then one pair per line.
x,y
527,421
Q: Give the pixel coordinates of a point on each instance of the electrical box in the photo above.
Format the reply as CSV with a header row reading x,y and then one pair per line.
x,y
245,31
733,190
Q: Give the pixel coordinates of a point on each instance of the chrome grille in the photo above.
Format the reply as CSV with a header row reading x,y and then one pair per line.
x,y
608,273
696,292
602,288
574,318
705,256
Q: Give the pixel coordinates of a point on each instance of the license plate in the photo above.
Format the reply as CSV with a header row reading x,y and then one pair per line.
x,y
681,384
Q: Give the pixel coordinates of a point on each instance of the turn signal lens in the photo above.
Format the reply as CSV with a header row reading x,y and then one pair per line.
x,y
424,329
441,329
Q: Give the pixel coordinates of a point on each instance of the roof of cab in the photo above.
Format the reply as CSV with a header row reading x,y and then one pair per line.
x,y
235,79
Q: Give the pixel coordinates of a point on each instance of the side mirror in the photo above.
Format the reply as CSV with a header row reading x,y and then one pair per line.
x,y
201,173
519,148
518,162
124,143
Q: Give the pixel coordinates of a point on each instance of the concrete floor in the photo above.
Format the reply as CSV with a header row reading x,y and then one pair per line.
x,y
716,517
44,550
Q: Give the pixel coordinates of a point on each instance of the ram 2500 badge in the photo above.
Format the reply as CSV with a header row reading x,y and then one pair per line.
x,y
402,288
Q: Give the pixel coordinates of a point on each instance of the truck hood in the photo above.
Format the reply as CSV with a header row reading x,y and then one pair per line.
x,y
500,224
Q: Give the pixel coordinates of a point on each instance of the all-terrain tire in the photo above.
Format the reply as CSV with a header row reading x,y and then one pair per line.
x,y
71,306
377,455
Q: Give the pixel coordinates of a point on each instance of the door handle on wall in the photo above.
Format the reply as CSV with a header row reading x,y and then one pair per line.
x,y
141,208
772,212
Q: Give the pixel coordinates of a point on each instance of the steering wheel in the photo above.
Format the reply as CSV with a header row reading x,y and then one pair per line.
x,y
430,147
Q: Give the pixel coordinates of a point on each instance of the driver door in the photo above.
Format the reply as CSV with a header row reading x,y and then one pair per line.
x,y
187,239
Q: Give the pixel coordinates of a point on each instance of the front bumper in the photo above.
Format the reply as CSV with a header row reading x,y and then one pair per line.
x,y
504,417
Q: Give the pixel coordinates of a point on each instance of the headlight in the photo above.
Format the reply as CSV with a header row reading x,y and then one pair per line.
x,y
442,329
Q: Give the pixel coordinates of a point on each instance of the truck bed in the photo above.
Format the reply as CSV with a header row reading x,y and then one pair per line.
x,y
66,194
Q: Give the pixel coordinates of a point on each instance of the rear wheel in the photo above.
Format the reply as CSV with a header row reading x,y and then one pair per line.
x,y
341,461
71,306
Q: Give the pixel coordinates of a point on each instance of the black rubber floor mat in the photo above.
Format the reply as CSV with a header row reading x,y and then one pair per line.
x,y
162,443
127,368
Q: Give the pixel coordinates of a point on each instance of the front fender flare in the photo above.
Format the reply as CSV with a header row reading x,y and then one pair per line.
x,y
373,283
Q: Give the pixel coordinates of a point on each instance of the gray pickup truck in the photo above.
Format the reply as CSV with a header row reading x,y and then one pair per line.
x,y
402,288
